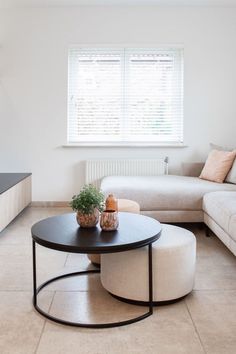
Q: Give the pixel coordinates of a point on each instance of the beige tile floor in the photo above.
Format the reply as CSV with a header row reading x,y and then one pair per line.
x,y
204,322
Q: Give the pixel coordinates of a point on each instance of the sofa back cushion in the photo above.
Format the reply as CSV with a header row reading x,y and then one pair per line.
x,y
192,169
231,176
218,165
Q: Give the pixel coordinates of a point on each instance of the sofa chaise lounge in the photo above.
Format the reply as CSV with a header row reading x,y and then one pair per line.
x,y
174,199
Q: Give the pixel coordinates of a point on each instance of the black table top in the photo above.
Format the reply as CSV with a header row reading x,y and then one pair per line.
x,y
8,180
64,234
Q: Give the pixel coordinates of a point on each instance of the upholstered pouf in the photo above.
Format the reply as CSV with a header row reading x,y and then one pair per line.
x,y
125,274
130,206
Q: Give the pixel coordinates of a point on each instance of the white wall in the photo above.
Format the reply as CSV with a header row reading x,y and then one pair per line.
x,y
33,85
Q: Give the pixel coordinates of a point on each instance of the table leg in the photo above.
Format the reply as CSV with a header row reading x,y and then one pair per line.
x,y
150,276
34,275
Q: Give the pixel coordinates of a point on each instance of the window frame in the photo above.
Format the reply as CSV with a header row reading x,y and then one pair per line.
x,y
131,143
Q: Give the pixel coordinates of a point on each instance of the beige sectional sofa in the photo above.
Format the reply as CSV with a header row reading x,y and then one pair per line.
x,y
171,198
220,216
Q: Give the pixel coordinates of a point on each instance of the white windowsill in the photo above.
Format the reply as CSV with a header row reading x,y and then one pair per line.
x,y
98,144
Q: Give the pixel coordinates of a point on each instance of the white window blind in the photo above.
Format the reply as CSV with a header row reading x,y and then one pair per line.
x,y
125,96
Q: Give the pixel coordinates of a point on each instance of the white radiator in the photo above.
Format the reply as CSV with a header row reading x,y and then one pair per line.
x,y
97,169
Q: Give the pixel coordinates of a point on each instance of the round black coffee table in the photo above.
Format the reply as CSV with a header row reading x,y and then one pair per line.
x,y
62,233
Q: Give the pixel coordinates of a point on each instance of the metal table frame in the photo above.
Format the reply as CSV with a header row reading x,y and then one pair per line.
x,y
36,291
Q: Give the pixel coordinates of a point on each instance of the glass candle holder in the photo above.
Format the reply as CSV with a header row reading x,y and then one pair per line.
x,y
109,220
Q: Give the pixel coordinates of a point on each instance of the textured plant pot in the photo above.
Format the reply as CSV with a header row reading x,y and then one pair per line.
x,y
109,220
88,220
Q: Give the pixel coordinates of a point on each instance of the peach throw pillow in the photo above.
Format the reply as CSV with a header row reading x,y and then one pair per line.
x,y
218,165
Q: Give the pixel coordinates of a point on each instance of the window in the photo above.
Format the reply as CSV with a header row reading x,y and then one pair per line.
x,y
125,96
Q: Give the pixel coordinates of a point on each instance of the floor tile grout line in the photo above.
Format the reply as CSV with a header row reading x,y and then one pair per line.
x,y
61,290
208,290
24,291
45,321
57,290
67,256
195,327
37,346
77,291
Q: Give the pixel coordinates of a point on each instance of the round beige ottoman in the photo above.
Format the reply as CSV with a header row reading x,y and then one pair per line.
x,y
129,206
125,274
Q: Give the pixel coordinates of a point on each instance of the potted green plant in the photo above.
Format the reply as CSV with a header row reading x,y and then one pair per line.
x,y
88,203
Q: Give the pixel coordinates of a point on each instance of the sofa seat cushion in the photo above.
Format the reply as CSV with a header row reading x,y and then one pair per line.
x,y
166,192
221,207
